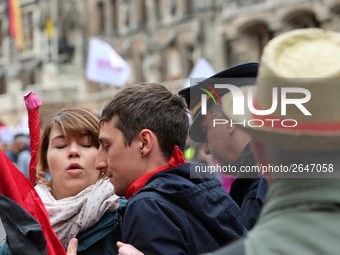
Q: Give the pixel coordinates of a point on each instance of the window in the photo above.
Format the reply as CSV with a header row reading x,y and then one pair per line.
x,y
101,17
189,59
28,78
173,7
1,38
30,72
302,20
28,33
66,50
3,89
114,6
140,71
173,64
127,17
230,55
158,9
142,13
188,6
253,39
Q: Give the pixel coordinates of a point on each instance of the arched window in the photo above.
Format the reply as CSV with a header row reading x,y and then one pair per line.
x,y
300,19
252,41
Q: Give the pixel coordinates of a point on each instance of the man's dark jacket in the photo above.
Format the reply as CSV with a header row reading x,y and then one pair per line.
x,y
249,189
176,214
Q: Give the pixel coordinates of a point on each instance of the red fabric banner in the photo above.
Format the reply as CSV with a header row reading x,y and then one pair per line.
x,y
14,185
34,127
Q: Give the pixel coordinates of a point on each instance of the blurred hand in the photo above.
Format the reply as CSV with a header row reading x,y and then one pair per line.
x,y
125,249
72,247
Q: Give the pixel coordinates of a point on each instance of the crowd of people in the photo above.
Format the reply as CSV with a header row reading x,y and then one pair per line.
x,y
121,184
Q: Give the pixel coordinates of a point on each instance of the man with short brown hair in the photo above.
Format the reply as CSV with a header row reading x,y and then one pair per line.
x,y
169,210
149,106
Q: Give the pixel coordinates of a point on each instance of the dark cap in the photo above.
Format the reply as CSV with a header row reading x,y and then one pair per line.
x,y
240,75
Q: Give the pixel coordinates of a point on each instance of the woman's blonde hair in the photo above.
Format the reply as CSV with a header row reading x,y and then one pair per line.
x,y
74,121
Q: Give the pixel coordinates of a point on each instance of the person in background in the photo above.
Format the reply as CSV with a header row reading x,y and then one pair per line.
x,y
22,152
17,150
6,139
228,144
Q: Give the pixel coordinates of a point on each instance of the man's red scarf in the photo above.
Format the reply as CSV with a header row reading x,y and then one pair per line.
x,y
175,161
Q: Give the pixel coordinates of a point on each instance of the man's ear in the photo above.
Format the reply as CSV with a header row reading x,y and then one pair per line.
x,y
260,156
231,129
147,141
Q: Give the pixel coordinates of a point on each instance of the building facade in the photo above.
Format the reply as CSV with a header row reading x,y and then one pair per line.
x,y
160,39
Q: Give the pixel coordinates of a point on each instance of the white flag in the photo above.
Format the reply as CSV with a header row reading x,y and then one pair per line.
x,y
104,65
202,69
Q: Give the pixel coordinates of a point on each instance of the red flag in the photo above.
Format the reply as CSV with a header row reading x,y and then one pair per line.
x,y
32,104
15,23
14,185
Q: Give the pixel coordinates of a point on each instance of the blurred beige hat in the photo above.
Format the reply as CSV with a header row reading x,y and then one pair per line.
x,y
303,66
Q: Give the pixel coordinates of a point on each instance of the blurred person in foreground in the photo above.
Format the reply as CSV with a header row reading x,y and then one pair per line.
x,y
143,129
302,147
229,144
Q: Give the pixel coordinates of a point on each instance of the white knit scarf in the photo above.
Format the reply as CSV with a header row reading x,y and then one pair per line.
x,y
72,215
